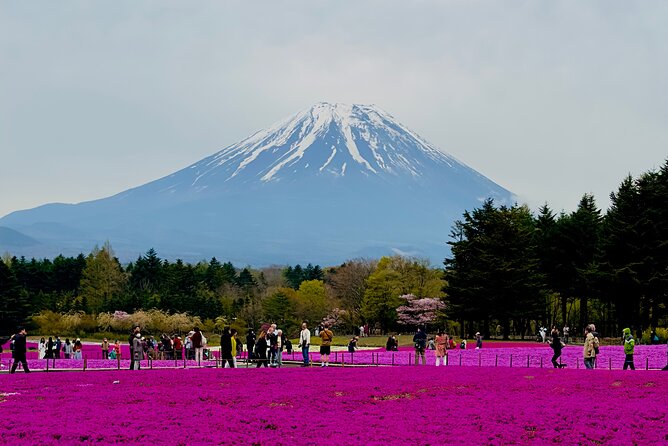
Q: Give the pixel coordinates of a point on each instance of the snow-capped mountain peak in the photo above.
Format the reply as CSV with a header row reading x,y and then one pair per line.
x,y
326,139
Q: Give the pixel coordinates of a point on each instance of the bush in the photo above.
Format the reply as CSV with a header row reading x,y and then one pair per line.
x,y
662,333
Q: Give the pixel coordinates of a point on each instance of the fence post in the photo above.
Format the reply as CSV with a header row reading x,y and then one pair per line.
x,y
577,362
410,361
47,365
527,361
392,358
479,359
541,362
336,356
119,361
496,361
609,363
85,360
647,363
460,359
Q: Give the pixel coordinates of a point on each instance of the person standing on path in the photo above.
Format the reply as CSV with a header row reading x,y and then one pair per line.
x,y
556,345
441,348
629,346
58,346
196,339
226,348
478,341
68,349
327,337
105,348
41,349
131,339
420,342
250,344
590,346
304,343
137,351
19,352
261,350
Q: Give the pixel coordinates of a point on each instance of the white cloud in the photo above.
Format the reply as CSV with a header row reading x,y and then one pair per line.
x,y
549,99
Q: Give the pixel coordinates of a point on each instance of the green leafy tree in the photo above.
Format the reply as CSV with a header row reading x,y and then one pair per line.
x,y
103,281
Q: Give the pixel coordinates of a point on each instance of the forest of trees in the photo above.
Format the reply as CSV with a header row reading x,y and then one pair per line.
x,y
508,268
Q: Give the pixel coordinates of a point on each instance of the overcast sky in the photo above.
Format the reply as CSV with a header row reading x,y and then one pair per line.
x,y
550,99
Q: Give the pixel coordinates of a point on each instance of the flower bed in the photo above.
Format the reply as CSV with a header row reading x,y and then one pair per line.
x,y
334,406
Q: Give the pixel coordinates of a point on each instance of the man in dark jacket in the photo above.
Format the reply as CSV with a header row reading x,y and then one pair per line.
x,y
250,343
19,353
226,348
420,341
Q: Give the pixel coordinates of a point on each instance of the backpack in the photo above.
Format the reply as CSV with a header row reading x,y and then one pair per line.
x,y
596,343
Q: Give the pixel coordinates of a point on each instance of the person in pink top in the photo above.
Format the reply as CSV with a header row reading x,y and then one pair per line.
x,y
441,348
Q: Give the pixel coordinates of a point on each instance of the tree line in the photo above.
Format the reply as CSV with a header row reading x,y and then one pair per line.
x,y
509,267
509,270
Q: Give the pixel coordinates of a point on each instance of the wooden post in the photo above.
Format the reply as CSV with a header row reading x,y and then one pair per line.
x,y
609,363
541,362
392,358
336,356
577,362
119,361
47,365
410,361
527,361
511,361
460,359
85,359
647,363
479,359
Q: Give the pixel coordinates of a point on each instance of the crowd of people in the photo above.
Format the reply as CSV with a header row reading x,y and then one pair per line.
x,y
266,349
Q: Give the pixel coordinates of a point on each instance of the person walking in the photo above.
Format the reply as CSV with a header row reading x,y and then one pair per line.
x,y
629,346
304,343
250,344
326,337
420,343
590,346
556,344
19,352
441,348
261,350
226,348
478,341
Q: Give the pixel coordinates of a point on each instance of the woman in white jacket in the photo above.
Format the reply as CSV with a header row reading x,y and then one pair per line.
x,y
41,348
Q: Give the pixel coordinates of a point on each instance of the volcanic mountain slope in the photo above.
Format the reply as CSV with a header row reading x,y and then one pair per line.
x,y
329,183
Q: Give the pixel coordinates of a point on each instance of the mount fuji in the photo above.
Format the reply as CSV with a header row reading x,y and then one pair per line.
x,y
327,184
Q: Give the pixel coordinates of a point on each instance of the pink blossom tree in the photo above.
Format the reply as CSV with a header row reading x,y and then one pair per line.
x,y
422,311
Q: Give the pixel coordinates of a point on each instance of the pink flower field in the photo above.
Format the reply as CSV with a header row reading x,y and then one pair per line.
x,y
336,406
